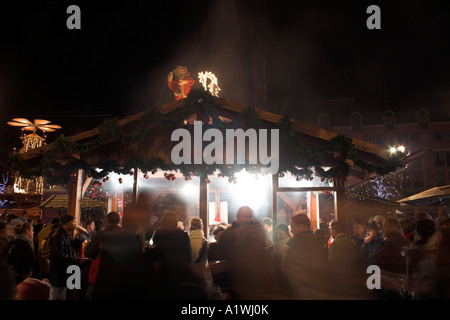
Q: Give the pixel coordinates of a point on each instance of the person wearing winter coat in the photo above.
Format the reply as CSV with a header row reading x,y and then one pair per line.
x,y
199,244
388,255
20,253
63,253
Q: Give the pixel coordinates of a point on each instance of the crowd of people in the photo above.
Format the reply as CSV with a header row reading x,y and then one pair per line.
x,y
245,260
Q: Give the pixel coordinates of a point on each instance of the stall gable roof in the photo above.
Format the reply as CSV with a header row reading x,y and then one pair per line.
x,y
428,197
62,200
301,128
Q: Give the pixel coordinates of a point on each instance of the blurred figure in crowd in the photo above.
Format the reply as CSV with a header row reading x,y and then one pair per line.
x,y
345,265
388,255
305,260
7,283
6,234
415,251
172,248
20,252
407,225
281,237
92,250
121,271
268,226
433,281
64,246
199,244
370,244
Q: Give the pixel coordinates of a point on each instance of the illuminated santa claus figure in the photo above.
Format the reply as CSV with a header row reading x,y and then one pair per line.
x,y
180,82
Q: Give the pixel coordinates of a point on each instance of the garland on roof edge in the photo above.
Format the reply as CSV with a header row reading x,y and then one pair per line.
x,y
340,148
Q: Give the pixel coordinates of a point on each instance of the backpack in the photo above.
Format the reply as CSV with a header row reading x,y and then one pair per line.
x,y
44,248
44,253
44,245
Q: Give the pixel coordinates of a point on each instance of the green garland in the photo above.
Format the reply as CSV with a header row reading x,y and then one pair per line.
x,y
338,151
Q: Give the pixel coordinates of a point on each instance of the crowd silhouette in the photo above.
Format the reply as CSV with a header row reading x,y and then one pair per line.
x,y
248,259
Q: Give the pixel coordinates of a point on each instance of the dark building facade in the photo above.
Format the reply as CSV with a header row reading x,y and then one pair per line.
x,y
419,123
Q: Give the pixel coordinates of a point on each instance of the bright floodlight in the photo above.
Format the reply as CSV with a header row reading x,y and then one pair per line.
x,y
189,189
400,148
249,189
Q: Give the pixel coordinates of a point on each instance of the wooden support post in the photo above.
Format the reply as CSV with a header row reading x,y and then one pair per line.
x,y
203,201
313,209
75,190
274,199
340,200
109,206
136,175
85,186
317,193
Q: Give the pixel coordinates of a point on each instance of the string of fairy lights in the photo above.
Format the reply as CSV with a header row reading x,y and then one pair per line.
x,y
389,187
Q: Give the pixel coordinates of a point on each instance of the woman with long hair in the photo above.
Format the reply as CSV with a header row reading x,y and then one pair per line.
x,y
21,256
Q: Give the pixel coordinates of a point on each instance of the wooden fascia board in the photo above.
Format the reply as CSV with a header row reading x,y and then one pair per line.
x,y
305,128
229,105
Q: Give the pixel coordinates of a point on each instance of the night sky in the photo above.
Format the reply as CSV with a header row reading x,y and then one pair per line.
x,y
118,62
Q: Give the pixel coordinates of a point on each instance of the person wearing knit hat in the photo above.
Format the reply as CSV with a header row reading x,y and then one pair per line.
x,y
34,289
67,218
379,220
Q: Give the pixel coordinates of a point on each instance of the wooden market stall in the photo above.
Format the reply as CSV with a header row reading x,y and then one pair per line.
x,y
141,143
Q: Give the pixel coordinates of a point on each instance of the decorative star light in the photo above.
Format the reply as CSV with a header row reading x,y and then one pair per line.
x,y
213,86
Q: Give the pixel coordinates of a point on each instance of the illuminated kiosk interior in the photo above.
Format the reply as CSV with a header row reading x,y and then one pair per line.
x,y
212,197
225,196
